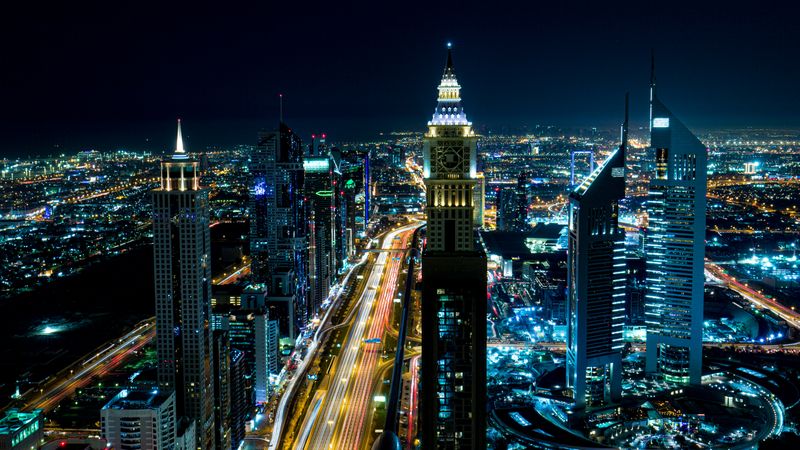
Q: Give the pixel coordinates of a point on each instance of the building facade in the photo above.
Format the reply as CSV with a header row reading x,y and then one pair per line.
x,y
596,283
675,248
264,357
453,390
277,232
21,430
181,253
240,407
139,419
321,229
222,389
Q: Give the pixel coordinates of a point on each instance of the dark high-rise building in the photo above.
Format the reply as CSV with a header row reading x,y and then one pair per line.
x,y
453,390
277,231
242,332
506,209
341,207
675,248
181,254
353,189
222,393
512,206
321,234
596,282
239,403
318,146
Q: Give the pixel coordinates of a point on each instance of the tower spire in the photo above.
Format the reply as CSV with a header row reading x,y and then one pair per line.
x,y
449,110
652,71
624,131
179,142
280,108
652,84
449,66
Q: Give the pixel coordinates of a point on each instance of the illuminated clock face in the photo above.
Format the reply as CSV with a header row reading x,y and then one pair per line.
x,y
449,159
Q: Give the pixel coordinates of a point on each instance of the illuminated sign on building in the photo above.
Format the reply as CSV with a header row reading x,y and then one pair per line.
x,y
316,164
661,122
260,189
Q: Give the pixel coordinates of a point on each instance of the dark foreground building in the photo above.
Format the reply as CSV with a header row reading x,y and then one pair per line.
x,y
453,390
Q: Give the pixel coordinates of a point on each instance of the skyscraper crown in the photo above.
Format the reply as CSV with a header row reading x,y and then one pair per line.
x,y
180,153
449,110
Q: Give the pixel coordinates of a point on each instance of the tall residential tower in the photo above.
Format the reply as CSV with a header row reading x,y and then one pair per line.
x,y
453,390
181,253
596,282
675,248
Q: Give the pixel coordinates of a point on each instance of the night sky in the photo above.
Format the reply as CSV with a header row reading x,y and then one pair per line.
x,y
116,74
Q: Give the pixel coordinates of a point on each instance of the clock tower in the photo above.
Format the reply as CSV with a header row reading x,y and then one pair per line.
x,y
453,370
449,170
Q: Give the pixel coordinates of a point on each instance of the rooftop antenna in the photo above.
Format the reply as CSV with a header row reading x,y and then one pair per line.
x,y
624,137
652,83
280,107
652,69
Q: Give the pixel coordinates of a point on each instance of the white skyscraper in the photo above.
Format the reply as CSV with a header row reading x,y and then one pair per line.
x,y
265,334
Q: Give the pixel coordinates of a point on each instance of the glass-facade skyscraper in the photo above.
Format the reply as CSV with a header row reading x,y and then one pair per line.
x,y
181,254
277,231
321,228
596,282
675,248
453,386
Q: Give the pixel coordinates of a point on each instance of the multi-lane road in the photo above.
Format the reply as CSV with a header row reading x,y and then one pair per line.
x,y
340,413
755,297
81,373
293,384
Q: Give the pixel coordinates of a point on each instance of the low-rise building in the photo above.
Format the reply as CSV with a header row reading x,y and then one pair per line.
x,y
136,419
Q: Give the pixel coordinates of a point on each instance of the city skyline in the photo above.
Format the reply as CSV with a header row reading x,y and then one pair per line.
x,y
479,284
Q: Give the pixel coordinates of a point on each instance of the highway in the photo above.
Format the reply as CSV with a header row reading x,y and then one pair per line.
x,y
238,273
294,382
757,298
114,353
342,418
81,373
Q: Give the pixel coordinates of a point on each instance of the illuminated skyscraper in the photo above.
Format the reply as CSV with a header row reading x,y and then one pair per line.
x,y
181,247
479,200
596,282
675,248
321,222
453,387
277,231
341,207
